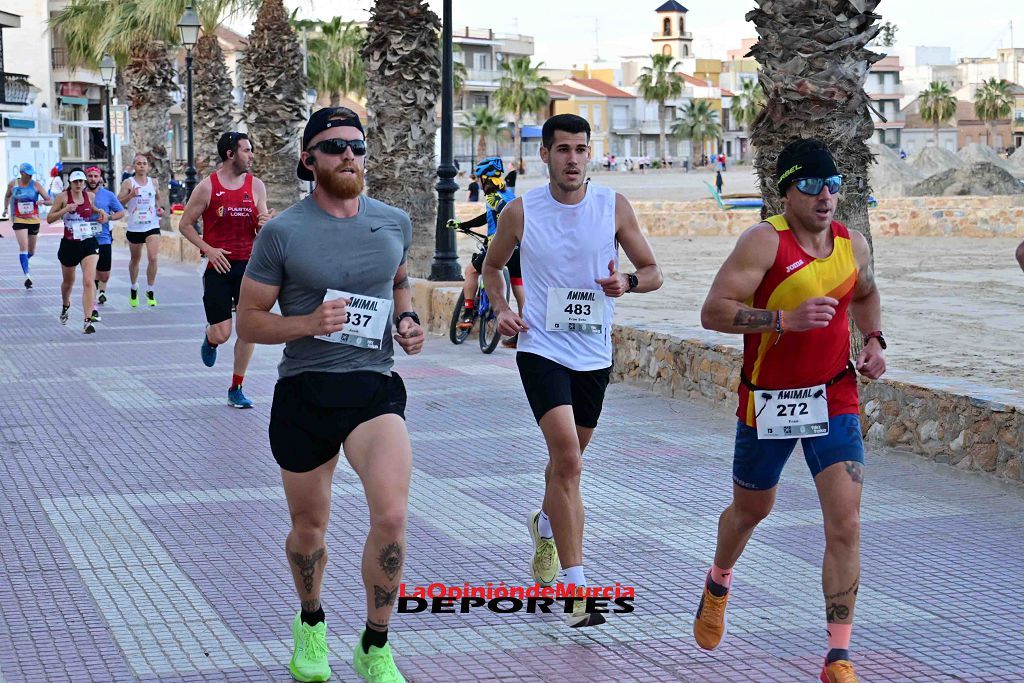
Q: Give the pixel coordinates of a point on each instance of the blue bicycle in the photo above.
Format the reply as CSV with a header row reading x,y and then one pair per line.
x,y
482,315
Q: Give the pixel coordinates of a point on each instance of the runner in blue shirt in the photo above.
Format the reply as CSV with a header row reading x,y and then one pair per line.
x,y
106,200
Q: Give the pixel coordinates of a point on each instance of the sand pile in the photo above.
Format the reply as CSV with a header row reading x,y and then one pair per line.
x,y
1016,160
975,153
890,176
982,179
932,160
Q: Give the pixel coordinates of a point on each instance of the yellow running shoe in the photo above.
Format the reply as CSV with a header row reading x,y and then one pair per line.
x,y
579,617
309,659
133,298
839,671
709,626
544,566
151,298
377,665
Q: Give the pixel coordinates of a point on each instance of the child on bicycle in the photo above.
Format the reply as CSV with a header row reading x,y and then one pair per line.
x,y
498,192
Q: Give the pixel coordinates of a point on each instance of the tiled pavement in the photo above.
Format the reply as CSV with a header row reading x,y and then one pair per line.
x,y
143,522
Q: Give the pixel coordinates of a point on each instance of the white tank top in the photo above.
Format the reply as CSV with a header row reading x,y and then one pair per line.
x,y
142,207
567,246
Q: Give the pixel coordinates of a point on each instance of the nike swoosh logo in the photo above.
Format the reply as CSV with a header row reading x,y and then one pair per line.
x,y
377,228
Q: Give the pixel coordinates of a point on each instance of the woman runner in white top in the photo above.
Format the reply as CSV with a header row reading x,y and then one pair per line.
x,y
141,198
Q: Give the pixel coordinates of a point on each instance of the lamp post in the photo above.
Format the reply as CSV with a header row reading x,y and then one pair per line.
x,y
446,260
107,69
311,96
189,26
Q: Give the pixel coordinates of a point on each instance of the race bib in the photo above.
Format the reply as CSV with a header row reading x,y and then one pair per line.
x,y
367,320
791,413
83,230
575,310
26,208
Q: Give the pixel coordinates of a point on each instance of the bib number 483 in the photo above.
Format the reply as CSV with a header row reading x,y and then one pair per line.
x,y
578,309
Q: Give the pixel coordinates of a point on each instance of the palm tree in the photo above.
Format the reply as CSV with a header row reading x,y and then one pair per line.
x,y
484,123
403,65
336,60
275,101
993,101
813,68
659,83
521,90
699,122
748,103
937,105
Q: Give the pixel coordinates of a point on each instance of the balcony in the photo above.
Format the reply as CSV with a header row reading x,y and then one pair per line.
x,y
490,76
674,36
15,89
64,73
1018,124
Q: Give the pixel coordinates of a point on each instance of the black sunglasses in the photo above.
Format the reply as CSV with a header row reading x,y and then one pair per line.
x,y
813,186
339,145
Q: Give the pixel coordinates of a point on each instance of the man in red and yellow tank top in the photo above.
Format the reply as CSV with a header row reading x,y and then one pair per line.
x,y
233,206
788,287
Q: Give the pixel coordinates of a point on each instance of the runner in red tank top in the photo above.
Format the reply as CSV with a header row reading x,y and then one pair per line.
x,y
233,206
787,287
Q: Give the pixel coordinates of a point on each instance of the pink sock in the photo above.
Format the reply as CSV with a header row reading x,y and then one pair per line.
x,y
839,636
723,577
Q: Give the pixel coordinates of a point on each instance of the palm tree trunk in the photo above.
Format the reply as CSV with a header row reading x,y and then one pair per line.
x,y
214,103
661,128
403,68
481,147
936,134
335,99
517,141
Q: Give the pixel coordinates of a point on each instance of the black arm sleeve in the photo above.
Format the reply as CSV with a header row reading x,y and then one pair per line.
x,y
477,222
510,179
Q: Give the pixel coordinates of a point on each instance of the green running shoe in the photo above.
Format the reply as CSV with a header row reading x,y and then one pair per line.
x,y
309,661
544,566
376,666
133,298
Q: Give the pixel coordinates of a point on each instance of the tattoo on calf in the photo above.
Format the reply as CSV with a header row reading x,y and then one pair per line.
x,y
375,626
836,612
753,318
856,472
311,605
307,566
842,594
391,560
383,596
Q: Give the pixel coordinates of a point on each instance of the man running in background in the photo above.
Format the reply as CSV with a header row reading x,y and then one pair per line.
x,y
106,200
24,195
141,198
233,205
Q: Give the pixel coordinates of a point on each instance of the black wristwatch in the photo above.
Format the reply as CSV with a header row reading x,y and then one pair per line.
x,y
408,314
634,282
875,335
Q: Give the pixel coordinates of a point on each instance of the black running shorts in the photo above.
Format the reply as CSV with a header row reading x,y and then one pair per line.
x,y
515,271
103,265
220,291
33,228
141,237
549,384
72,252
314,412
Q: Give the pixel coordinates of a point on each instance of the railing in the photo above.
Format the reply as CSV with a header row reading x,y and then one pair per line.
x,y
489,34
676,36
487,75
59,58
14,89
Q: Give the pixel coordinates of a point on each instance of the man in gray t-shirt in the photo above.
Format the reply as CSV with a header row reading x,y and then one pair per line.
x,y
335,263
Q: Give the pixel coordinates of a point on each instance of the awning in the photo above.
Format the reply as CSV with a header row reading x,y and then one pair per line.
x,y
530,132
18,123
68,99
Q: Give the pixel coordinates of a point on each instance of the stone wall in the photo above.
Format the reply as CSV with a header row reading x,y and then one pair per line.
x,y
1001,216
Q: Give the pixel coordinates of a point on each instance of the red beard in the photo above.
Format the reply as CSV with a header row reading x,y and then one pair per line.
x,y
341,185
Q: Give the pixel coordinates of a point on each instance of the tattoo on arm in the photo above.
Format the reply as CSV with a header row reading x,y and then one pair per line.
x,y
402,284
390,560
753,318
866,281
307,566
856,472
383,597
836,612
842,594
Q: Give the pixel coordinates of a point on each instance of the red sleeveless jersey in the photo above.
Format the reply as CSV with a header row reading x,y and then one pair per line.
x,y
84,212
803,359
231,221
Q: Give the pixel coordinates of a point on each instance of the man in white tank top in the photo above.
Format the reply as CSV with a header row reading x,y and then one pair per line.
x,y
141,198
569,232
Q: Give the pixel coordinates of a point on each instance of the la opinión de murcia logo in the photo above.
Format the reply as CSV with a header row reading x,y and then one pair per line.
x,y
439,598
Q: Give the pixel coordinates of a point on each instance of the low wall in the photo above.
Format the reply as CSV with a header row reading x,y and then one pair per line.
x,y
1000,216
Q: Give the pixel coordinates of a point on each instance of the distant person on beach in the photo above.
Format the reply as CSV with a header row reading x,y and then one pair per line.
x,y
718,181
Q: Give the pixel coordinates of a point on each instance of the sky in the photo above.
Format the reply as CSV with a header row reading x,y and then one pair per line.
x,y
571,32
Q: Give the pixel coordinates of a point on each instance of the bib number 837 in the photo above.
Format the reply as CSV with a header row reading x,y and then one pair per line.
x,y
357,319
578,309
791,409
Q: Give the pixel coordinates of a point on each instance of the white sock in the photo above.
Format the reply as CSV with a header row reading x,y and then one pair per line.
x,y
135,285
574,575
544,526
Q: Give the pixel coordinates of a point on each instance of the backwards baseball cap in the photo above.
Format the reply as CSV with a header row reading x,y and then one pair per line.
x,y
321,120
27,169
76,175
803,158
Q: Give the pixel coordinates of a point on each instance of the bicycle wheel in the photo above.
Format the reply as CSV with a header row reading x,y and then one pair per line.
x,y
489,335
454,333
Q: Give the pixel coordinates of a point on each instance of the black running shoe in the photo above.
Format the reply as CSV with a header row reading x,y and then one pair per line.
x,y
102,298
28,282
89,328
64,314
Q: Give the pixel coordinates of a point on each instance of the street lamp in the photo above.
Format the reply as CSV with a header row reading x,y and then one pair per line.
x,y
311,96
189,27
446,260
107,69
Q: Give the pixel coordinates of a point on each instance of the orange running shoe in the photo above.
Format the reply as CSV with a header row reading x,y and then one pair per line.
x,y
839,671
709,626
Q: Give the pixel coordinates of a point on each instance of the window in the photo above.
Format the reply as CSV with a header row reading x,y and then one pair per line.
x,y
682,25
598,121
666,50
585,111
686,50
481,61
666,27
480,101
620,117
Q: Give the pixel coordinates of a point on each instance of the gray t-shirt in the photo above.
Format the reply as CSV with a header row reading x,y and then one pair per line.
x,y
306,251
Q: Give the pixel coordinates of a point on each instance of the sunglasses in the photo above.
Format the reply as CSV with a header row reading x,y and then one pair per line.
x,y
338,146
812,186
